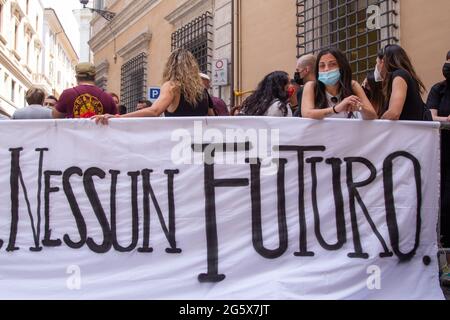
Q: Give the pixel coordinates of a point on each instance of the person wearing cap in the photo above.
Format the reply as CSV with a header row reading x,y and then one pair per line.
x,y
219,106
86,99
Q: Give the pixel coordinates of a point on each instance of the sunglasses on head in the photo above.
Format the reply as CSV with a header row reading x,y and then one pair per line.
x,y
382,52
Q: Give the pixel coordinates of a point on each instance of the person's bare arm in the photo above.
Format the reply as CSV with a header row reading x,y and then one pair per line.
x,y
309,108
308,104
159,107
434,112
211,112
397,101
367,110
58,112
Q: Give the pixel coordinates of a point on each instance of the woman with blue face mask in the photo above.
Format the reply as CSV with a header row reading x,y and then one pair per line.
x,y
335,94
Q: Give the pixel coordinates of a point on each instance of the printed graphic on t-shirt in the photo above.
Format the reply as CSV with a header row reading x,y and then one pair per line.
x,y
86,106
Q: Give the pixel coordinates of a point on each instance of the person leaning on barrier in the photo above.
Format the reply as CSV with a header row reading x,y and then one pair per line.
x,y
219,106
374,92
439,104
182,94
271,98
335,94
439,97
35,98
235,111
86,99
50,102
402,86
305,73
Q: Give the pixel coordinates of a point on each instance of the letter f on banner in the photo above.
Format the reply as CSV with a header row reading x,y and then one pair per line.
x,y
73,282
211,183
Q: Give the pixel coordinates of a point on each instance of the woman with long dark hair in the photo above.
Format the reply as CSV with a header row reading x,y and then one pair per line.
x,y
374,92
402,86
271,98
335,94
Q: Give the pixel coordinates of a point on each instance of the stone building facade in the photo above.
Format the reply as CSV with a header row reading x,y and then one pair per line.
x,y
257,37
21,51
130,51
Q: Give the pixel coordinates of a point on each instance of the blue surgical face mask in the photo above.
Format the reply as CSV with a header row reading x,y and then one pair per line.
x,y
330,78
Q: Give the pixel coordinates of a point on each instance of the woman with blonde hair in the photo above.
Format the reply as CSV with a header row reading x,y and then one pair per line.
x,y
182,94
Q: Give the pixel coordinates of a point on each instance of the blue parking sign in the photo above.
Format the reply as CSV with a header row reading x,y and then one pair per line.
x,y
154,93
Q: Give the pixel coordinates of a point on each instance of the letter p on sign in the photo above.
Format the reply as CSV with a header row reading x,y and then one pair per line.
x,y
154,93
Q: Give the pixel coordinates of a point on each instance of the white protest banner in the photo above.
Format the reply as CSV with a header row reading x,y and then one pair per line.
x,y
237,208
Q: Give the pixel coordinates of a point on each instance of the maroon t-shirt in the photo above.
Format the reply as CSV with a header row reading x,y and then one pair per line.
x,y
220,107
85,101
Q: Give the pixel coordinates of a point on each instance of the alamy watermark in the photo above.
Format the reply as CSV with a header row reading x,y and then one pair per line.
x,y
232,146
373,17
73,282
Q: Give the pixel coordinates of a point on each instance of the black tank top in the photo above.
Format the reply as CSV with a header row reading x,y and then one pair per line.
x,y
186,109
413,108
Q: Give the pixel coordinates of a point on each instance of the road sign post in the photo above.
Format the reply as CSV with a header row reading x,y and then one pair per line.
x,y
220,73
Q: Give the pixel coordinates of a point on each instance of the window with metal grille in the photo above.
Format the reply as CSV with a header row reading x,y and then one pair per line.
x,y
99,4
196,37
102,83
134,81
359,28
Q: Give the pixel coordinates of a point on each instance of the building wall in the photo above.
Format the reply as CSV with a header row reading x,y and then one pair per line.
x,y
153,26
84,17
15,65
151,22
223,45
425,34
60,57
264,39
268,36
267,40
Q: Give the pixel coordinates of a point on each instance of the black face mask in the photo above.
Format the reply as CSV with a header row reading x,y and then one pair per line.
x,y
298,79
446,71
